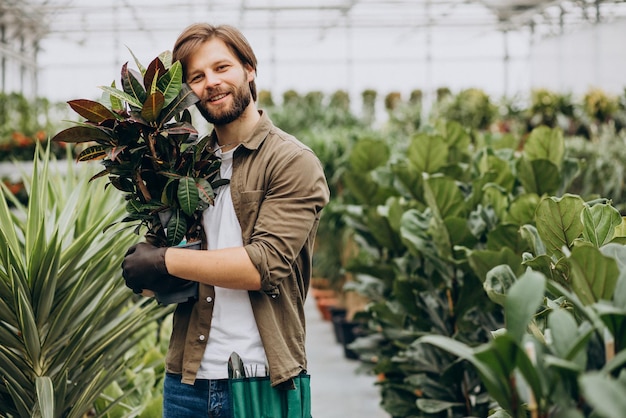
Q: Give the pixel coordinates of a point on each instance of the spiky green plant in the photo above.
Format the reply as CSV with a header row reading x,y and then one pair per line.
x,y
67,323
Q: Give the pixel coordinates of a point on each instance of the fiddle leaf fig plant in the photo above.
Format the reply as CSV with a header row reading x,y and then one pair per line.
x,y
143,135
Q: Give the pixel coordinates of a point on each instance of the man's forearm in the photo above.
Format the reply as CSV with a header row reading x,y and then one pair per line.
x,y
229,267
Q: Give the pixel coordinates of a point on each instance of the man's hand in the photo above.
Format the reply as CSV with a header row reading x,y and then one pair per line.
x,y
144,268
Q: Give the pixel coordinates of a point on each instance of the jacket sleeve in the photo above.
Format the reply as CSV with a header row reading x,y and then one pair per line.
x,y
288,214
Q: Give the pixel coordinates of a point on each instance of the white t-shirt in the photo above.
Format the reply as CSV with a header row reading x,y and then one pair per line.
x,y
233,327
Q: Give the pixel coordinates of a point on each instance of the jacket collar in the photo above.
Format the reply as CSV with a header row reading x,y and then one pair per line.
x,y
256,138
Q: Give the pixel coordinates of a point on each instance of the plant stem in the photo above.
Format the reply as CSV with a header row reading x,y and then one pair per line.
x,y
142,187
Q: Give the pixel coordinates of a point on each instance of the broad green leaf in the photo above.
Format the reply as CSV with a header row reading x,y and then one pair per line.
x,y
90,110
80,134
522,209
503,175
361,186
384,235
545,143
564,331
444,197
538,176
481,261
506,235
494,384
593,275
620,230
559,222
427,153
498,282
188,195
368,154
171,82
599,223
176,228
604,393
522,302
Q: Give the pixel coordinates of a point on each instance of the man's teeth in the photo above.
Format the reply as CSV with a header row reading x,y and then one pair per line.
x,y
218,97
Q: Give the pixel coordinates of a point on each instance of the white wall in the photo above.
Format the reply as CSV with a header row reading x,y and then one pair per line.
x,y
593,57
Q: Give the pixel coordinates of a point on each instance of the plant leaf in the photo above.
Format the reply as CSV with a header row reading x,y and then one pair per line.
x,y
176,229
90,110
427,153
522,302
150,77
132,86
559,222
96,152
152,107
131,100
187,194
185,98
171,82
80,134
605,394
600,222
45,396
593,275
205,191
545,143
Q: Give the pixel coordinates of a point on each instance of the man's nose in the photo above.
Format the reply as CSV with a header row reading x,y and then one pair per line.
x,y
211,80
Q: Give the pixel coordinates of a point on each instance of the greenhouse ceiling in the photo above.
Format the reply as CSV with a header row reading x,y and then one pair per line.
x,y
331,40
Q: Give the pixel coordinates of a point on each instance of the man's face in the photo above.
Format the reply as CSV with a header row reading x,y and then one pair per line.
x,y
220,81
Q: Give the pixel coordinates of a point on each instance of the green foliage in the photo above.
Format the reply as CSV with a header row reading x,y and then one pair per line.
x,y
446,226
142,140
472,108
69,328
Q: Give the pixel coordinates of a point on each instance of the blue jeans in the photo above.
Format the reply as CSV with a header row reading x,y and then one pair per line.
x,y
204,399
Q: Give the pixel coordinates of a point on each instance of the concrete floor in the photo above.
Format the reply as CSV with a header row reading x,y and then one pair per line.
x,y
337,390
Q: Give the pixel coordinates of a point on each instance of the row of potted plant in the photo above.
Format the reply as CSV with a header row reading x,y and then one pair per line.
x,y
491,290
24,122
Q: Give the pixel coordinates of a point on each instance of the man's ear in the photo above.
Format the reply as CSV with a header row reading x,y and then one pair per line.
x,y
251,73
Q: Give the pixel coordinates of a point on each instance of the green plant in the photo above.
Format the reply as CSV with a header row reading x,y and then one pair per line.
x,y
142,140
470,107
563,352
432,217
68,326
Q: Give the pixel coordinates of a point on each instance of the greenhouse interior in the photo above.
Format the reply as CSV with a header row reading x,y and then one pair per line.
x,y
471,258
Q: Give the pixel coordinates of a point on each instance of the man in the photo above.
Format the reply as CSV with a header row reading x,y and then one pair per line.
x,y
255,275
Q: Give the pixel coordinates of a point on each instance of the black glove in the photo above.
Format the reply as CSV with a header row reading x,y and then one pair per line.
x,y
144,268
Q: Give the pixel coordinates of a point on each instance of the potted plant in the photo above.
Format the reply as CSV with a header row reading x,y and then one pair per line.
x,y
146,142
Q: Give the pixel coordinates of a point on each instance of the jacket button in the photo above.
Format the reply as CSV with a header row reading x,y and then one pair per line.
x,y
209,299
201,337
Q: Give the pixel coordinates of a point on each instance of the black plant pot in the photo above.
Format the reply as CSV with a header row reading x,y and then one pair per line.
x,y
350,331
338,315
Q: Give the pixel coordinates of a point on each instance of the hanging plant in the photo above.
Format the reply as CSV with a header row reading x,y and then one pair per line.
x,y
148,146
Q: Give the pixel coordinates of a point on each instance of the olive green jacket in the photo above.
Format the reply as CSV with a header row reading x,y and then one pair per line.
x,y
278,190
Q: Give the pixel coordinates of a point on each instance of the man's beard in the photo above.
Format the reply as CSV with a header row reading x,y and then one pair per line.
x,y
241,99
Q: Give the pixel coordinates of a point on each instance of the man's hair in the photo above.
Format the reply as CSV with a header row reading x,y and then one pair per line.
x,y
198,33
